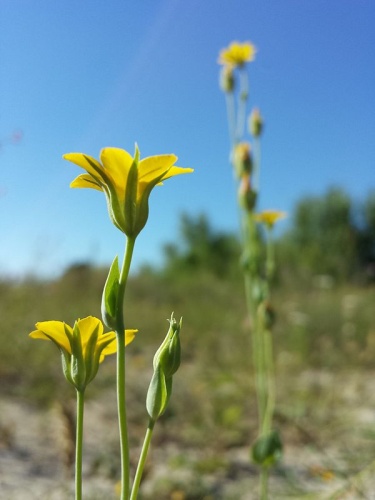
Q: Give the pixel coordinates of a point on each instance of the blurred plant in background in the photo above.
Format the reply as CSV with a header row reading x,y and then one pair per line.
x,y
257,260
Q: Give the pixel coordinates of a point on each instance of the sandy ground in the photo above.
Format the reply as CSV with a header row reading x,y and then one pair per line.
x,y
34,448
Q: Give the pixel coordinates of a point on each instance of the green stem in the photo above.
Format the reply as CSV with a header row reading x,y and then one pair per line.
x,y
231,112
264,473
242,101
269,368
257,162
79,444
270,258
121,400
142,460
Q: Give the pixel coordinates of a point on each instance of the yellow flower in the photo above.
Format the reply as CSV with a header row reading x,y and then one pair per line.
x,y
82,347
237,54
126,182
269,217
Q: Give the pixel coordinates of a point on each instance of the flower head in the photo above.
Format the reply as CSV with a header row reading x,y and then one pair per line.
x,y
269,217
166,363
237,54
126,182
82,347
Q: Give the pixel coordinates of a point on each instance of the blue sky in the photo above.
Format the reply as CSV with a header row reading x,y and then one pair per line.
x,y
79,76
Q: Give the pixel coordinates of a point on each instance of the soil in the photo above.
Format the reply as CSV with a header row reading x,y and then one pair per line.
x,y
327,457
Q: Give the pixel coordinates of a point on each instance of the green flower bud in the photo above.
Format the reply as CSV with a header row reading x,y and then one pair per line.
x,y
227,82
267,315
158,394
267,450
110,296
247,197
242,159
169,353
255,123
166,362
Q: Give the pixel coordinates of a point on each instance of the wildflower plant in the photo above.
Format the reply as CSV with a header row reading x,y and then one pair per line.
x,y
127,182
257,260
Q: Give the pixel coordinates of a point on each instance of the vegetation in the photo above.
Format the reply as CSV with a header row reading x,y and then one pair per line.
x,y
329,329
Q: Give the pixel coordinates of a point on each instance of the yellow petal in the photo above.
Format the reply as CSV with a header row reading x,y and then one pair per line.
x,y
55,330
129,336
86,162
237,54
112,347
86,328
117,163
85,181
152,167
177,171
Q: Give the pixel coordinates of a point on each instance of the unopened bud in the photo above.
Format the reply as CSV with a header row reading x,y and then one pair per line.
x,y
110,296
242,159
166,363
255,123
246,195
227,81
267,315
267,449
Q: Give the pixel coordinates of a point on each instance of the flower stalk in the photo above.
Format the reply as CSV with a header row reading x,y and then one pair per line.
x,y
79,444
258,263
121,372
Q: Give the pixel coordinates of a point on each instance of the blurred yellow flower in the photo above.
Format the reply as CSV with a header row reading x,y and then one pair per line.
x,y
126,182
82,347
269,217
237,54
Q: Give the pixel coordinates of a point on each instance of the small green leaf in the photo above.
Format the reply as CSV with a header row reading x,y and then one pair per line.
x,y
267,450
110,295
157,394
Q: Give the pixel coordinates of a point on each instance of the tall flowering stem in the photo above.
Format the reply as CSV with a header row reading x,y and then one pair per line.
x,y
257,263
79,444
121,372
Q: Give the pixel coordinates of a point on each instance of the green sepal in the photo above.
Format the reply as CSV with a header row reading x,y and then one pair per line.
x,y
267,450
94,363
77,364
143,210
130,200
110,295
170,354
90,357
158,394
65,361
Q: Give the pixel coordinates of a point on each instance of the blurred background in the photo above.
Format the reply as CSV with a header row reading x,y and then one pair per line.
x,y
79,77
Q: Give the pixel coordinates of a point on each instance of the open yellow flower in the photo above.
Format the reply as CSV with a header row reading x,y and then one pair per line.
x,y
237,54
126,182
269,217
82,347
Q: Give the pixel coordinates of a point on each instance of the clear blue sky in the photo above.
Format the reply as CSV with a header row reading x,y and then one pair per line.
x,y
79,76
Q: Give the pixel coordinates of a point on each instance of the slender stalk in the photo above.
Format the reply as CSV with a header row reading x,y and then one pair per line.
x,y
231,112
264,474
242,101
270,406
142,460
257,162
121,400
79,444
